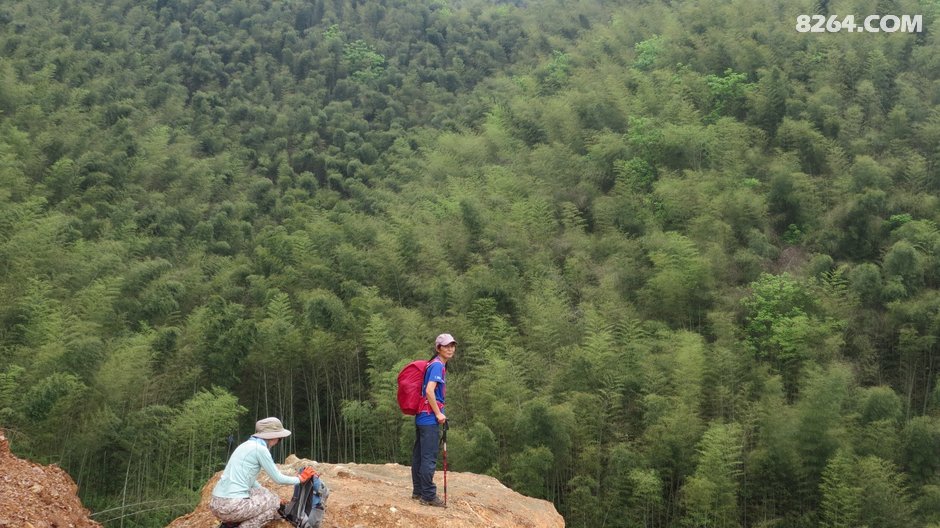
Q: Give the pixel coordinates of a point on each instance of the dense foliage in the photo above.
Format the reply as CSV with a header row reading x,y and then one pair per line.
x,y
691,255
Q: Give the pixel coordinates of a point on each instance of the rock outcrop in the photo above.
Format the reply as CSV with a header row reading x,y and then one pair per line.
x,y
379,496
34,496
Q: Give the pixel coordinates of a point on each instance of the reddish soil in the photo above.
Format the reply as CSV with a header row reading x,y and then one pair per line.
x,y
361,496
34,496
379,496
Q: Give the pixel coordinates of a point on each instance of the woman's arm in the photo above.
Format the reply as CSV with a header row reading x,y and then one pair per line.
x,y
267,464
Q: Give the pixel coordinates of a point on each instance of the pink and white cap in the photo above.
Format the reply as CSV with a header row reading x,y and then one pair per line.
x,y
444,339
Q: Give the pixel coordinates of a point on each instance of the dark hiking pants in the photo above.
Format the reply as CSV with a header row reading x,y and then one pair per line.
x,y
424,461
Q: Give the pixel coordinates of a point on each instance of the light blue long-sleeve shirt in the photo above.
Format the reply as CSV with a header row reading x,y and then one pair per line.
x,y
241,472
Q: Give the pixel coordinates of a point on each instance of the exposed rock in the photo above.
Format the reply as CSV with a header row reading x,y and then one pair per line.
x,y
379,496
361,496
34,496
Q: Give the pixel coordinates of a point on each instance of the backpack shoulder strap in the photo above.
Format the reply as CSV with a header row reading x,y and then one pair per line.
x,y
427,368
295,509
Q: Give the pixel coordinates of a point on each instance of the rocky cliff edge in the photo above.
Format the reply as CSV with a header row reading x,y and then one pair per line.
x,y
379,496
35,496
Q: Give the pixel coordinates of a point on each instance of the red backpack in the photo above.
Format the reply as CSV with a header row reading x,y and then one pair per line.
x,y
411,397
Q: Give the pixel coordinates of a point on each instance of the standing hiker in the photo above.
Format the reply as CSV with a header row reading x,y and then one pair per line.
x,y
428,422
238,499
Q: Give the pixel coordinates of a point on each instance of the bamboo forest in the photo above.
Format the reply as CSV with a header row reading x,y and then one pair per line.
x,y
691,255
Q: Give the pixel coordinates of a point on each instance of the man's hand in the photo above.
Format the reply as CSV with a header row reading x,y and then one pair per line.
x,y
307,474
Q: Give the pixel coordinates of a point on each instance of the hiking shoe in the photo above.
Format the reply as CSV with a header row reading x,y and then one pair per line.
x,y
436,502
415,496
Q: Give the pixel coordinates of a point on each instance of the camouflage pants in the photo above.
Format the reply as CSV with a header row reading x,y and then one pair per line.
x,y
253,512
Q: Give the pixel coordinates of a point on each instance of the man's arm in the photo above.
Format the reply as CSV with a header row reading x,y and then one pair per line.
x,y
432,401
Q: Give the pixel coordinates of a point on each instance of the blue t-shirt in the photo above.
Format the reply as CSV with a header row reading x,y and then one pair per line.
x,y
435,372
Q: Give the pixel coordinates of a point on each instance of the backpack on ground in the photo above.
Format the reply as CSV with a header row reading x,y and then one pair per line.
x,y
308,504
410,382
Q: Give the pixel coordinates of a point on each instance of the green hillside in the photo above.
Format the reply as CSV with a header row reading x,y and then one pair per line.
x,y
691,255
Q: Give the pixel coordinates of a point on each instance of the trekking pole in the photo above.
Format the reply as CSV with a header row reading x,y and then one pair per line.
x,y
444,443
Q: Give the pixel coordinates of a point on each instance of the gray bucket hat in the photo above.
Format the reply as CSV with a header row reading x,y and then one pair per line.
x,y
270,428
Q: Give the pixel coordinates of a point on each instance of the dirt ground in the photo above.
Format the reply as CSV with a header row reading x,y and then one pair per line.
x,y
361,496
34,496
379,496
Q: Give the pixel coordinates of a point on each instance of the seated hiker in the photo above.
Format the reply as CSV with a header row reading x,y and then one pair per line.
x,y
238,499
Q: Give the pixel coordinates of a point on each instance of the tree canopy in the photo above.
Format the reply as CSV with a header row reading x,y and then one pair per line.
x,y
691,255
